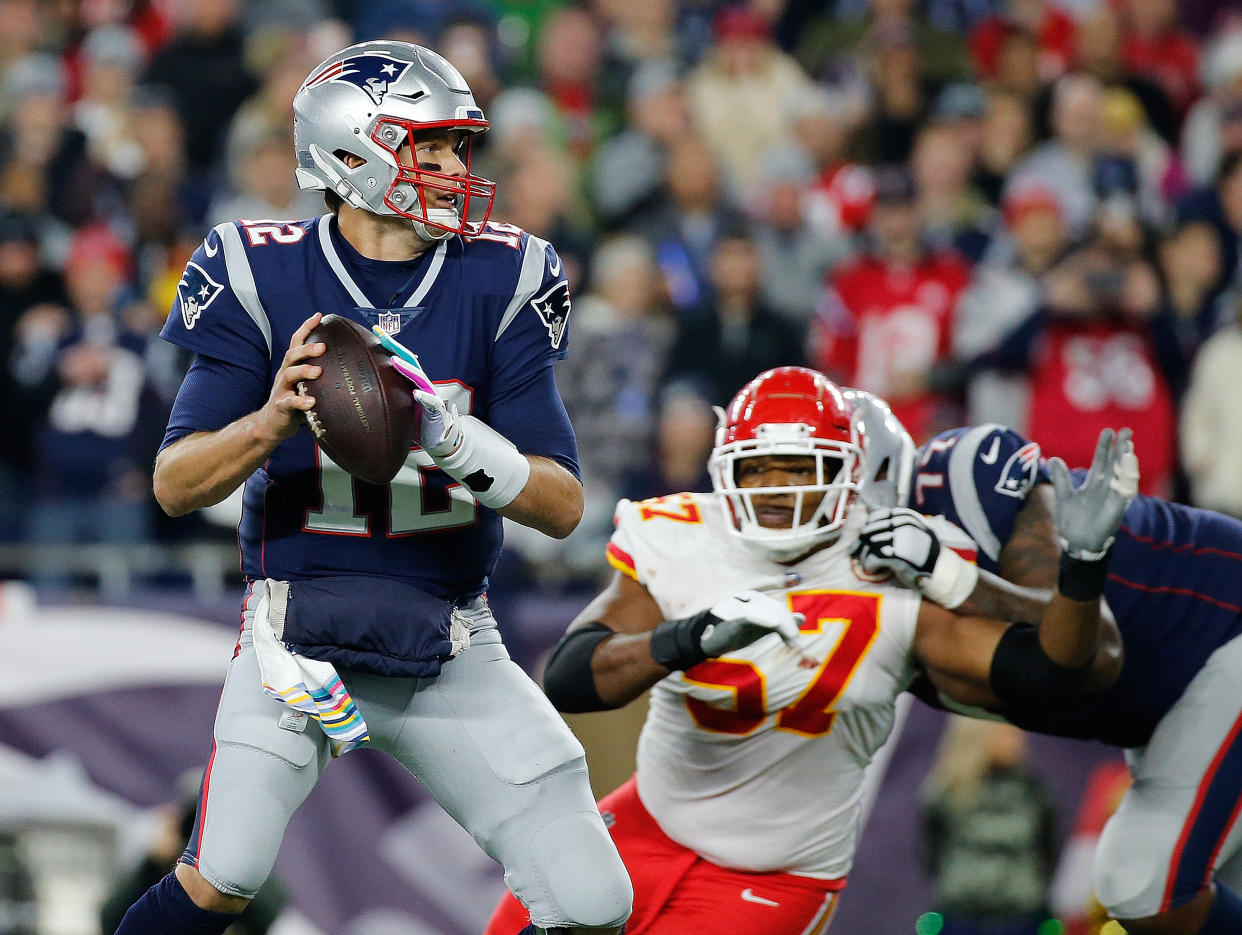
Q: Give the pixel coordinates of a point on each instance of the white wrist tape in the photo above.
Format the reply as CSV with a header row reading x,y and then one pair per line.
x,y
952,579
484,462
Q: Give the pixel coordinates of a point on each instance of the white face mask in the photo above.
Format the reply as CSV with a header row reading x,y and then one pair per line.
x,y
835,469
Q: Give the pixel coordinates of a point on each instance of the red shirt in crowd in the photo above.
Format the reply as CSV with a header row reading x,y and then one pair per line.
x,y
1057,36
1088,376
884,326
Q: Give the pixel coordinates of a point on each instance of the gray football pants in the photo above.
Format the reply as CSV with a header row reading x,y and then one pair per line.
x,y
481,738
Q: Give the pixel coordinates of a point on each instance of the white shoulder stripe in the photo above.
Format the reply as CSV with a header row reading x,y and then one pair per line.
x,y
529,280
338,267
241,279
966,495
429,278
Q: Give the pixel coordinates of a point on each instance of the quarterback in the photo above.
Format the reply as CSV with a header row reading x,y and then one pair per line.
x,y
1170,858
364,617
774,662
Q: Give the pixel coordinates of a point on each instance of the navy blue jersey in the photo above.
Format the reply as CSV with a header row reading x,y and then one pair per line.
x,y
1174,582
488,318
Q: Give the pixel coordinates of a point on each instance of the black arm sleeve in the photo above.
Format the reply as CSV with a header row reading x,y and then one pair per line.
x,y
567,679
1027,680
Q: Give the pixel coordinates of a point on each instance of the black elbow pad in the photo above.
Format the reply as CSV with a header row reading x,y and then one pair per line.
x,y
567,679
1026,679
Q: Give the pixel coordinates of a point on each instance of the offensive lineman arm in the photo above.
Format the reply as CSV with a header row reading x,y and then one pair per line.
x,y
608,656
962,654
205,467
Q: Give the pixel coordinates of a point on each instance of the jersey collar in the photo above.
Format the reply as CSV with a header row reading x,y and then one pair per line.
x,y
338,267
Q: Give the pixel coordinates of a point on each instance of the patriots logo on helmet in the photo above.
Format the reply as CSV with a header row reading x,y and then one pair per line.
x,y
372,72
195,291
1018,475
553,310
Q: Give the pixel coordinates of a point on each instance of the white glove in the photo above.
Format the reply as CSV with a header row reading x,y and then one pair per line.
x,y
471,452
899,540
744,618
1088,516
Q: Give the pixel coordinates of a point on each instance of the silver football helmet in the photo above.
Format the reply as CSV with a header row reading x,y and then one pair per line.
x,y
369,100
887,450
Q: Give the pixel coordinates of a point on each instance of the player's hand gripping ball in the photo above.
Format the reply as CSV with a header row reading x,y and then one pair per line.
x,y
364,417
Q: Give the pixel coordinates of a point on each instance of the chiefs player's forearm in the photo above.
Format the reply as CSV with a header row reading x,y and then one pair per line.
x,y
1003,600
202,469
623,668
551,501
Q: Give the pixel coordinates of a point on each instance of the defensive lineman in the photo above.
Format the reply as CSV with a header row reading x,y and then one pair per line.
x,y
383,586
1175,702
743,812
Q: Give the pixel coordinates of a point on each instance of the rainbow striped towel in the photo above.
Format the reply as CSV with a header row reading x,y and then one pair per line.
x,y
308,685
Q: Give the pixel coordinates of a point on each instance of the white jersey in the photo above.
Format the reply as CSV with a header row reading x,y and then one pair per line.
x,y
755,759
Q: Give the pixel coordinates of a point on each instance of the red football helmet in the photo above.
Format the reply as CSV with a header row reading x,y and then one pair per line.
x,y
789,411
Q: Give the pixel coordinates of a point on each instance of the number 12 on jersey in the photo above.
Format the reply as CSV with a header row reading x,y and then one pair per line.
x,y
811,714
414,505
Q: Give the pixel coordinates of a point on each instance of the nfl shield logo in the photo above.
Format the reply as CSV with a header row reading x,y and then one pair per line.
x,y
390,322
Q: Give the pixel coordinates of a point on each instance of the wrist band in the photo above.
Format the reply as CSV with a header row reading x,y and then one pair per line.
x,y
1082,579
484,462
952,579
678,644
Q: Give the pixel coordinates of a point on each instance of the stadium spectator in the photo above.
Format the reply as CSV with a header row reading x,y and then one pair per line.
x,y
111,58
830,39
1051,27
1005,137
1006,289
742,83
1157,47
628,169
838,201
93,455
1065,164
621,335
588,100
685,430
1211,422
1213,127
888,316
687,222
734,334
989,831
955,216
796,254
263,184
204,67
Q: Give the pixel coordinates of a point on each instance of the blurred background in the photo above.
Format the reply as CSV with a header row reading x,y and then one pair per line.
x,y
1022,211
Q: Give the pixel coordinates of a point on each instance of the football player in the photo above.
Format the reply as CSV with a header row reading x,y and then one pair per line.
x,y
384,585
1175,587
775,663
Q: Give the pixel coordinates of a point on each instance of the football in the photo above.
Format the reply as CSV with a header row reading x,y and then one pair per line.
x,y
364,415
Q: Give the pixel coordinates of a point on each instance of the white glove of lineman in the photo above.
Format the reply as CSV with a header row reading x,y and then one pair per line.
x,y
899,540
744,618
1088,516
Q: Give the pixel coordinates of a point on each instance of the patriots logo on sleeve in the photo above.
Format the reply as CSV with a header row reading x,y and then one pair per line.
x,y
1018,475
553,310
372,72
195,292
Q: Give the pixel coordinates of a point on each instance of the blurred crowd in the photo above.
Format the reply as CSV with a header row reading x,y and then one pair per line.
x,y
1022,211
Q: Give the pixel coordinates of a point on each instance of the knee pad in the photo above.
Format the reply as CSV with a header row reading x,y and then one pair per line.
x,y
559,859
1129,874
583,876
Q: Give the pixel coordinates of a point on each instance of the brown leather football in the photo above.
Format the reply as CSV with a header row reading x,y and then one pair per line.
x,y
364,410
